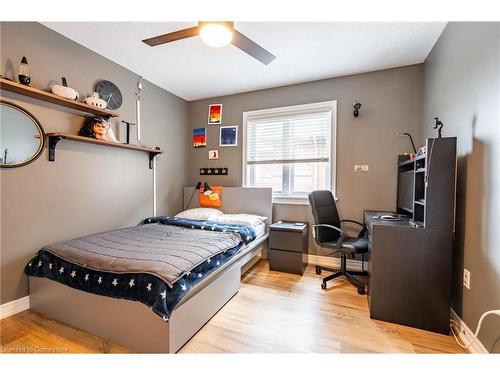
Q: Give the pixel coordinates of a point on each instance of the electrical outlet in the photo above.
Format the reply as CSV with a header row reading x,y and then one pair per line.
x,y
361,168
466,278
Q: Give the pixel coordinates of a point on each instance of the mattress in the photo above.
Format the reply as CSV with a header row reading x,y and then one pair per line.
x,y
259,229
156,263
165,251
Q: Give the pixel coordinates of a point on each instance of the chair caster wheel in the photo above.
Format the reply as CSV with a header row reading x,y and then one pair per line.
x,y
318,270
323,285
361,291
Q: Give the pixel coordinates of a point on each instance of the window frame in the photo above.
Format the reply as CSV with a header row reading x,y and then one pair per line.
x,y
294,199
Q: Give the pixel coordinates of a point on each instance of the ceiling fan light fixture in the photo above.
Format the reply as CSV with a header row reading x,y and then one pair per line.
x,y
216,34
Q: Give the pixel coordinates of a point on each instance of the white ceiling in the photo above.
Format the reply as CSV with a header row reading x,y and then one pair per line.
x,y
305,51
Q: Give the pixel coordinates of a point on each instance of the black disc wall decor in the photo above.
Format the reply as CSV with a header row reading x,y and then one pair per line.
x,y
110,93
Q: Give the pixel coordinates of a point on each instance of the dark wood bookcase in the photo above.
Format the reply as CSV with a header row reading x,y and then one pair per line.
x,y
433,193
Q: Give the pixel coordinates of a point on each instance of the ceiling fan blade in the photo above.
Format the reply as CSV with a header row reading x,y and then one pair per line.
x,y
173,36
253,49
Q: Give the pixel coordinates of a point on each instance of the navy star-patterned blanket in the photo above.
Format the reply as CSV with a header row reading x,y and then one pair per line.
x,y
158,292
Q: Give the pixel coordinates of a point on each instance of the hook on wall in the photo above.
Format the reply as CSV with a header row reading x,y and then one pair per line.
x,y
356,106
217,171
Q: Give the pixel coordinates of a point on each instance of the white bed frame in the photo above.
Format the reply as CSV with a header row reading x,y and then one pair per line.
x,y
132,324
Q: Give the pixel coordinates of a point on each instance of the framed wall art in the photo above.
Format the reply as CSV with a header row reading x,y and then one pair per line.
x,y
213,154
215,114
228,136
199,137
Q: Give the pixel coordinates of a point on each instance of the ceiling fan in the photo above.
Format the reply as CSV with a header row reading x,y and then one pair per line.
x,y
216,34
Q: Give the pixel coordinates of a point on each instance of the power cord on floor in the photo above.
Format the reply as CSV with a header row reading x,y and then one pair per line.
x,y
464,345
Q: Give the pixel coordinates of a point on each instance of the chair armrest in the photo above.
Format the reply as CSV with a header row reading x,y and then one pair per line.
x,y
342,234
329,226
361,234
353,221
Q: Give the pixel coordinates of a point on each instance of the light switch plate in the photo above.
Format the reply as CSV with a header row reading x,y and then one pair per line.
x,y
361,168
466,278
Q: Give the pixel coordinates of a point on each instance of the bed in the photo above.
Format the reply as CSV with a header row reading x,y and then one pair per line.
x,y
139,307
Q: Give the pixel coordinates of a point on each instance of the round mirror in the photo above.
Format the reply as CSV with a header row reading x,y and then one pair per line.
x,y
21,136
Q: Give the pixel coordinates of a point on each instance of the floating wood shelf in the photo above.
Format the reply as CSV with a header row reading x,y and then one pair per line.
x,y
32,92
56,137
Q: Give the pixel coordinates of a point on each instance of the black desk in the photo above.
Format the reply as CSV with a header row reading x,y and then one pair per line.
x,y
409,274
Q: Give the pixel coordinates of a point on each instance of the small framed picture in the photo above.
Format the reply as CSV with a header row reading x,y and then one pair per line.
x,y
215,114
228,136
199,137
213,154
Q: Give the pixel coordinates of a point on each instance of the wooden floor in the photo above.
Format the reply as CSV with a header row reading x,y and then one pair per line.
x,y
273,312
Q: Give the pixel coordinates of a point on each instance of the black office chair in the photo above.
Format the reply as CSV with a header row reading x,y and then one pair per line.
x,y
327,234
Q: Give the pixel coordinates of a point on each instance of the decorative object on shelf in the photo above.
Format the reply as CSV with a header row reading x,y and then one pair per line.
x,y
228,136
24,72
404,157
23,137
438,125
64,91
110,93
94,101
48,97
215,114
140,87
422,150
210,196
411,140
127,125
356,106
98,128
199,137
215,171
213,154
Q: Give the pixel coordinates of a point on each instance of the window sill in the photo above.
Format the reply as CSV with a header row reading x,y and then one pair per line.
x,y
301,201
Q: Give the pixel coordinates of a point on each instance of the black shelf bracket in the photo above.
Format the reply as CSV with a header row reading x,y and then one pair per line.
x,y
52,147
152,156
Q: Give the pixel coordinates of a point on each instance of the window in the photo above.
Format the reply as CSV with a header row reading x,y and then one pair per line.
x,y
290,149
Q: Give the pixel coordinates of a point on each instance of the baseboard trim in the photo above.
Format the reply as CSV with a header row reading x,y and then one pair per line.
x,y
467,336
14,307
352,264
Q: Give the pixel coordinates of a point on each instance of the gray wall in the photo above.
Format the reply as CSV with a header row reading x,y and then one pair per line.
x,y
88,188
391,101
462,87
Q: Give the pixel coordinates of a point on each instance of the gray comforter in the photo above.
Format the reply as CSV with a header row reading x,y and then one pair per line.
x,y
165,251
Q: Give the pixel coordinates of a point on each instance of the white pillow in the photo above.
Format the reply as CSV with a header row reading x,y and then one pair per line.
x,y
245,219
204,213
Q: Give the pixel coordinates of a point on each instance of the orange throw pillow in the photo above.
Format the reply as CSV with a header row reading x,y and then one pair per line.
x,y
211,200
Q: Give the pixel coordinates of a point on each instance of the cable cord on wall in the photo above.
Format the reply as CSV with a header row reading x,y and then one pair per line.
x,y
429,159
464,345
190,199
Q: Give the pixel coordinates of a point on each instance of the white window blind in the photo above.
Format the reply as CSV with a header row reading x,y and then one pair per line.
x,y
289,138
289,149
